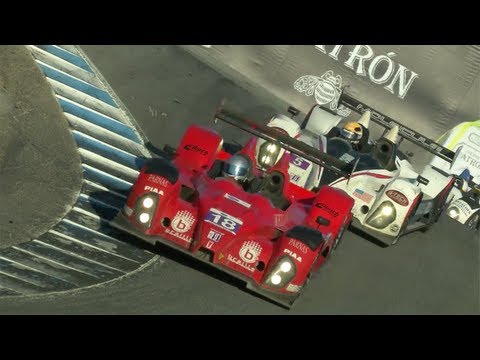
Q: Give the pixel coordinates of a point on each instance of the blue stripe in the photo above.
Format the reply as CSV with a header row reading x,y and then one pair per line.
x,y
108,152
107,181
100,120
79,85
67,56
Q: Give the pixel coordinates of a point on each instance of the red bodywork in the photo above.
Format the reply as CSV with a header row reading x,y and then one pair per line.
x,y
240,232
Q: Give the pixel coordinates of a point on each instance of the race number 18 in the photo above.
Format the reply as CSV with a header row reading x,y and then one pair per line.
x,y
223,220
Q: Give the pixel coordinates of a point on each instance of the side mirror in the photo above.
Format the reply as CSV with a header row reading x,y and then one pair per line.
x,y
293,111
323,221
170,150
422,180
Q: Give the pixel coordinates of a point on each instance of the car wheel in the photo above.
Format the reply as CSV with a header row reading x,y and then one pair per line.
x,y
338,239
441,207
310,274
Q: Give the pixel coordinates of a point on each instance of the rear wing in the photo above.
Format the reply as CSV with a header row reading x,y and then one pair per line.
x,y
288,143
405,132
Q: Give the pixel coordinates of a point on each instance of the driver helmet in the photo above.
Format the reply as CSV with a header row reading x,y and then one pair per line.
x,y
267,152
237,167
352,131
356,132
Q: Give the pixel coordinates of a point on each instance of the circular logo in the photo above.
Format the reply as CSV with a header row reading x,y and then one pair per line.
x,y
250,252
183,221
325,92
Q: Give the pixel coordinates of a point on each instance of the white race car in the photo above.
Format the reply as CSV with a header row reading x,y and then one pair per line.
x,y
464,200
464,140
391,198
466,208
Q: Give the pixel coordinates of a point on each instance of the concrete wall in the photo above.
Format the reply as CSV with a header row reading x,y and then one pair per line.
x,y
429,88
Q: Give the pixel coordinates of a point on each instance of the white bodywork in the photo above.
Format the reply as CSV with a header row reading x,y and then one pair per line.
x,y
461,211
321,121
372,188
398,189
464,140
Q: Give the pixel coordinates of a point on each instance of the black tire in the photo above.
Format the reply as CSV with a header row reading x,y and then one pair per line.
x,y
407,220
339,237
441,207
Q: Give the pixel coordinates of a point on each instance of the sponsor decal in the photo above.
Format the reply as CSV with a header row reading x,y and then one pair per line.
x,y
470,158
224,220
474,138
347,158
237,200
250,251
183,221
293,288
327,209
292,254
294,178
279,219
127,210
158,180
210,244
152,189
240,263
299,170
362,195
214,236
179,235
298,245
327,90
463,207
195,148
380,69
398,197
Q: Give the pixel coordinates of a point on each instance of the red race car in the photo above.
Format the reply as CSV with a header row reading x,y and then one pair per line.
x,y
216,207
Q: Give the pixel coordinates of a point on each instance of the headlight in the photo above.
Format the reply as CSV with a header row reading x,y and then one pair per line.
x,y
383,216
144,218
145,208
147,202
268,154
282,273
453,212
272,148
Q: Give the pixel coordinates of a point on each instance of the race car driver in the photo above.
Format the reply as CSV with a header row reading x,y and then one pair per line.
x,y
236,167
356,133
